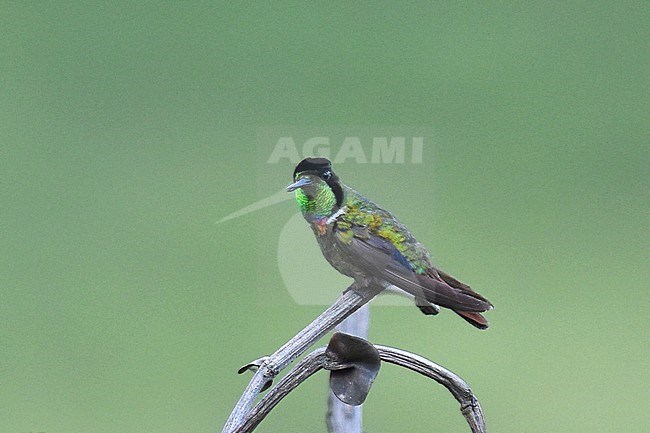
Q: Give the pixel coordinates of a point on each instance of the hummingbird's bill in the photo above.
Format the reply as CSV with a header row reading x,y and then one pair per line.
x,y
298,184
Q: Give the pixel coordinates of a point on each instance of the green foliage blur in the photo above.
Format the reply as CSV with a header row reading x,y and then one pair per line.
x,y
128,129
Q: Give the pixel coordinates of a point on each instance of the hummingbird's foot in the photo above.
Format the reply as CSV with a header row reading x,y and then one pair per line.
x,y
427,308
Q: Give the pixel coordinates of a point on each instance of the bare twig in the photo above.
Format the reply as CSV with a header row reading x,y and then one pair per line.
x,y
469,404
301,372
268,368
470,407
343,418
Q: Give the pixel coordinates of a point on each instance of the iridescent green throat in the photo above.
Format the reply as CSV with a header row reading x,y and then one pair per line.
x,y
320,206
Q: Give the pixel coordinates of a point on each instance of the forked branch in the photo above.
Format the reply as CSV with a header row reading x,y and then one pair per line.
x,y
318,359
269,367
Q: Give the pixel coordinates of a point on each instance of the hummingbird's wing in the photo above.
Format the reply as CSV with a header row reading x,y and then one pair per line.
x,y
380,257
374,240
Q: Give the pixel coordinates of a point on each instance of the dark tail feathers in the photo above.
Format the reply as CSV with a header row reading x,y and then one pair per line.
x,y
475,319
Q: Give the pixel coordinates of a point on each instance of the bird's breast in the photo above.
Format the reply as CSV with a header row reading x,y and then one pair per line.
x,y
320,227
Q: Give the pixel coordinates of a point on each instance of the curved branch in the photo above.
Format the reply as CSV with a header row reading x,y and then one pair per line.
x,y
301,372
469,404
268,368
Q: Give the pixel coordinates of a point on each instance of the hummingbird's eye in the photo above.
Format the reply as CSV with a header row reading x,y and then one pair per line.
x,y
327,175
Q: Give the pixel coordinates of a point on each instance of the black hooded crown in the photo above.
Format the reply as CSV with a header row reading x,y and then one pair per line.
x,y
321,167
318,165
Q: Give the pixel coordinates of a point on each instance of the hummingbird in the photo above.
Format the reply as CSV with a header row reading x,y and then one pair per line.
x,y
367,243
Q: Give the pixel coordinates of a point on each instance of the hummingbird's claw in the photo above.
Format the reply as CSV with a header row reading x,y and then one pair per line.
x,y
428,308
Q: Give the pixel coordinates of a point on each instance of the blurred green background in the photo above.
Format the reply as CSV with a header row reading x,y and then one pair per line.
x,y
128,130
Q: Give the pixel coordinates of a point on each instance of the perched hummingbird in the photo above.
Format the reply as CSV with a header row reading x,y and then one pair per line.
x,y
365,242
